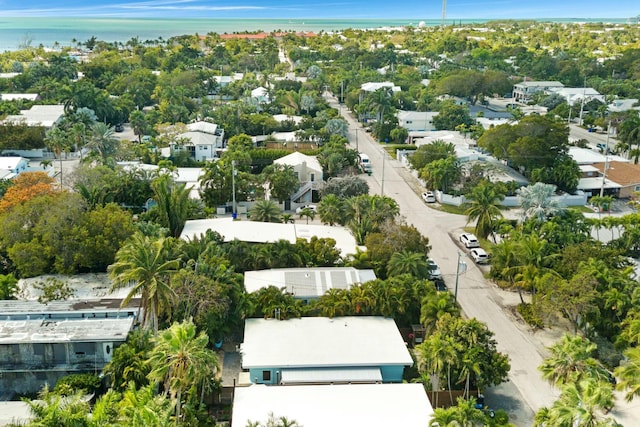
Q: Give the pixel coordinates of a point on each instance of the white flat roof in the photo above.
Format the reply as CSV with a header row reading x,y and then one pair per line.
x,y
42,330
45,115
265,232
371,405
306,282
323,342
586,156
596,183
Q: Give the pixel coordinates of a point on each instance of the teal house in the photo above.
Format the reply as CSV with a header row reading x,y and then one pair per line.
x,y
321,350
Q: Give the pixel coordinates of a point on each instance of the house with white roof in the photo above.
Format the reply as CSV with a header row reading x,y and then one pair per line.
x,y
371,405
286,117
523,91
188,176
309,173
416,120
322,350
40,343
621,105
270,232
307,283
11,167
202,141
374,86
38,115
19,96
261,94
578,94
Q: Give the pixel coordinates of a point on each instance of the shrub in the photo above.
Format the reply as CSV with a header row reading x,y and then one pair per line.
x,y
73,383
530,315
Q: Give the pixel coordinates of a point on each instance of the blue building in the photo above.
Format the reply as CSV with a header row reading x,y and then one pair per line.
x,y
321,350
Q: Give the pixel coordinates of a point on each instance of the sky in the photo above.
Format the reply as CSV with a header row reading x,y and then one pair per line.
x,y
346,9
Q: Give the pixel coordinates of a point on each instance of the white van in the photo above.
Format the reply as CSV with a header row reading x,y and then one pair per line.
x,y
365,164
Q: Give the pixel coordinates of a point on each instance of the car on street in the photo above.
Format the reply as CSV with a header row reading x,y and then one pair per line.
x,y
314,208
434,270
429,197
469,240
479,255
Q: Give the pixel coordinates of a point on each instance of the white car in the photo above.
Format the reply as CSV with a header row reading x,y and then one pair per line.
x,y
469,240
314,208
479,256
434,270
429,197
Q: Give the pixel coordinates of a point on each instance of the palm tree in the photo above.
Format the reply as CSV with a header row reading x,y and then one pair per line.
x,y
406,262
484,208
436,306
536,201
173,203
265,211
436,355
571,361
57,141
147,264
144,408
182,363
581,404
54,410
331,209
629,373
102,142
308,213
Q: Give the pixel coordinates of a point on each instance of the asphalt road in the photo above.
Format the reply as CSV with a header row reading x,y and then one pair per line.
x,y
526,391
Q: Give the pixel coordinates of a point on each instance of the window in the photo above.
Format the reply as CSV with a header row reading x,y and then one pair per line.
x,y
636,188
312,177
266,375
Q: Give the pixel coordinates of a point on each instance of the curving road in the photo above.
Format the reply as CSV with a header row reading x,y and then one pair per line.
x,y
476,296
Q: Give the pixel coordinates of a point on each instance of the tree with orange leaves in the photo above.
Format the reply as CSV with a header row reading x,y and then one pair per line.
x,y
25,187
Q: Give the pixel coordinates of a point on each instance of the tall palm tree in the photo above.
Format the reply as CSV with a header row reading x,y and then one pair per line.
x,y
182,363
147,263
437,354
629,373
265,211
484,208
406,262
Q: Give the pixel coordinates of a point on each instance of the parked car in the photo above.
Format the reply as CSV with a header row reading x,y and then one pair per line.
x,y
469,240
434,270
119,127
311,207
429,197
479,256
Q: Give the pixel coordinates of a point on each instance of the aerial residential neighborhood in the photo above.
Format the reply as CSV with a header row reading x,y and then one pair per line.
x,y
411,226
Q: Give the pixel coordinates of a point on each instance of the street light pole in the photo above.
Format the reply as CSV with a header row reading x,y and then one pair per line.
x,y
382,182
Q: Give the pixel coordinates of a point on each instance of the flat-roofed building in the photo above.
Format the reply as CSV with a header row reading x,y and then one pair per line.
x,y
371,405
269,232
40,343
38,115
307,283
322,350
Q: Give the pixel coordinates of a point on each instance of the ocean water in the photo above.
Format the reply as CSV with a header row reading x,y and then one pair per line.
x,y
17,33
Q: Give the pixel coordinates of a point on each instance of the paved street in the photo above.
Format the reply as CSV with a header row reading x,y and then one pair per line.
x,y
477,297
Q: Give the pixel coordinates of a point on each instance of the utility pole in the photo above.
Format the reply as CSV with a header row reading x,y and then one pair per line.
x,y
357,140
382,182
606,161
460,265
233,187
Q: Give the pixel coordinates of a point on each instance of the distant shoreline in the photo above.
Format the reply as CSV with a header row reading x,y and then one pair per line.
x,y
17,33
